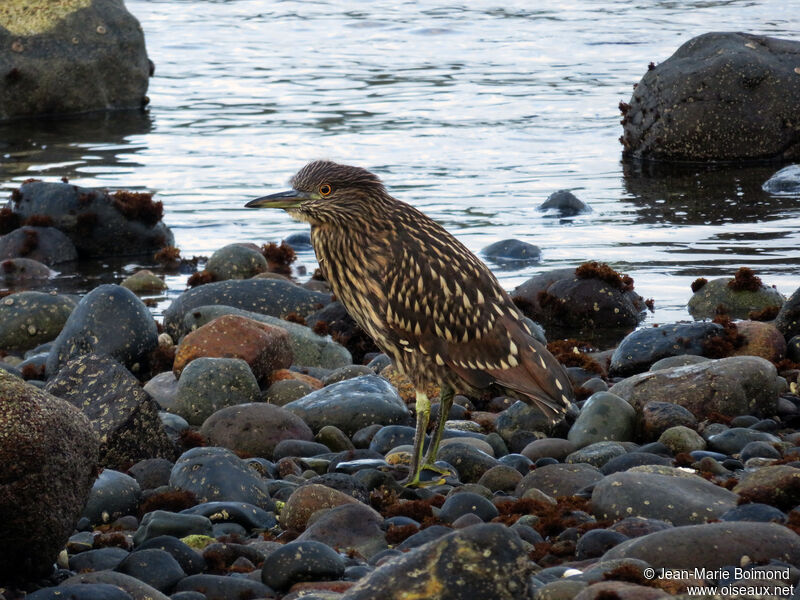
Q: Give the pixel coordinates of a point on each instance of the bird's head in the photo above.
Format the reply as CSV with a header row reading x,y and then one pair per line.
x,y
325,192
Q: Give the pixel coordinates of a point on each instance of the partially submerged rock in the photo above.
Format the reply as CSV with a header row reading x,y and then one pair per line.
x,y
719,97
70,56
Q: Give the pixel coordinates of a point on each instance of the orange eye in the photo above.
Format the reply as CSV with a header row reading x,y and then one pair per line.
x,y
325,190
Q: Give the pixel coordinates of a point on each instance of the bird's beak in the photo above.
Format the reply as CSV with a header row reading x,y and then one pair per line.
x,y
289,199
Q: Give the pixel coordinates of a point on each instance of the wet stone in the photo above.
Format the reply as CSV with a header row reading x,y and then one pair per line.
x,y
698,546
501,478
220,587
253,429
343,483
465,503
161,522
123,415
736,385
89,591
191,562
349,527
109,320
557,448
777,485
633,459
470,462
113,495
163,388
657,417
499,552
559,479
788,319
682,439
47,245
679,500
28,319
98,560
298,448
596,542
308,348
733,440
151,473
351,405
247,515
144,281
512,252
334,438
156,568
265,296
236,261
301,561
138,590
520,417
786,181
604,417
209,384
756,511
759,450
565,202
284,391
217,474
308,499
640,349
596,454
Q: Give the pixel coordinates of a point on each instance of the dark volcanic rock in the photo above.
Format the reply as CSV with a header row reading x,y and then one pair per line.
x,y
721,96
254,429
48,245
351,405
99,224
273,297
83,57
108,320
155,567
484,561
218,474
640,349
113,495
48,454
698,546
28,319
122,413
301,561
737,385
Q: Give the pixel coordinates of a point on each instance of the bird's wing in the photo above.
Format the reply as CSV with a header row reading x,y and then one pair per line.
x,y
445,303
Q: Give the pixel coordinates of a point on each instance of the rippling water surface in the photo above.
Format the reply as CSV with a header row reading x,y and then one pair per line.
x,y
473,112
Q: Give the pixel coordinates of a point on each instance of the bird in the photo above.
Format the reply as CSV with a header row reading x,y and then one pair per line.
x,y
425,299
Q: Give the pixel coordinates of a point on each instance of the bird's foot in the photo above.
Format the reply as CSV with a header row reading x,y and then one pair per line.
x,y
429,475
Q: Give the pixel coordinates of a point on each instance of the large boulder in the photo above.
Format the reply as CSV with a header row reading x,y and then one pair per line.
x,y
737,301
47,245
738,385
124,416
75,56
98,223
48,456
721,96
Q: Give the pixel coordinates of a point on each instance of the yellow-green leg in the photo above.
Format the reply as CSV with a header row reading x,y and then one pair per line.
x,y
423,414
445,402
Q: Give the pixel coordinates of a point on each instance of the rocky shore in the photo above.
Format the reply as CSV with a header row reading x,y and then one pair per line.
x,y
249,444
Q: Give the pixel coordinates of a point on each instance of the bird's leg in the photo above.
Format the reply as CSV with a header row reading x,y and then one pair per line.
x,y
423,414
445,402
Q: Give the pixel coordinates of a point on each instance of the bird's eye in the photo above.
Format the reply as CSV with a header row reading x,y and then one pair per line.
x,y
325,189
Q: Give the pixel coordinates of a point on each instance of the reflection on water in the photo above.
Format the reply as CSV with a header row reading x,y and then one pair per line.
x,y
473,112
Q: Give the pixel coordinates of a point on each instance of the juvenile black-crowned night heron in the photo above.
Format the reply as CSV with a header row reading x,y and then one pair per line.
x,y
426,300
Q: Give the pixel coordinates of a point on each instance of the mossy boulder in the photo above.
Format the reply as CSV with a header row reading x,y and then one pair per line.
x,y
719,294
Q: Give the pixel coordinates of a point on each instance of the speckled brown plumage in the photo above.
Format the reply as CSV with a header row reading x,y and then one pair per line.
x,y
426,300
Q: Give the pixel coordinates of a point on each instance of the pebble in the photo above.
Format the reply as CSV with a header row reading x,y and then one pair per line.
x,y
88,591
98,560
470,462
738,304
657,417
247,515
682,439
161,522
209,384
350,528
28,319
596,542
777,485
154,567
301,561
464,503
512,252
113,495
566,203
603,417
596,454
763,513
212,474
236,261
190,561
734,440
559,479
221,587
254,429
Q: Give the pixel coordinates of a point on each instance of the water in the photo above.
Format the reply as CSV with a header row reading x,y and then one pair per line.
x,y
473,112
